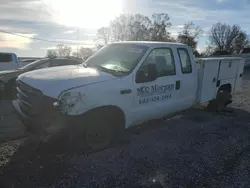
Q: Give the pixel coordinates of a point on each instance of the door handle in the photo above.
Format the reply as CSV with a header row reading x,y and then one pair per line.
x,y
177,85
126,91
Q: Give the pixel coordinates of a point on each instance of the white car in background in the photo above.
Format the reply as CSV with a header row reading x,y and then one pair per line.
x,y
8,77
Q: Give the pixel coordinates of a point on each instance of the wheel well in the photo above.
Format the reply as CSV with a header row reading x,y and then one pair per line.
x,y
226,87
115,111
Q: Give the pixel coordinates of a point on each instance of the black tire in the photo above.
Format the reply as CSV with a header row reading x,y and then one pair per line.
x,y
223,98
91,132
100,131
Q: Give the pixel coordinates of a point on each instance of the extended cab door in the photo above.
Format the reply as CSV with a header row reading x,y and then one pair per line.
x,y
153,99
187,76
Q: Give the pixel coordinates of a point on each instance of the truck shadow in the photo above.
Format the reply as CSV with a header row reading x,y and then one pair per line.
x,y
41,165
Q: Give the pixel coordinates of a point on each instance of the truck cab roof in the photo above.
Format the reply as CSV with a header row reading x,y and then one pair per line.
x,y
221,58
152,43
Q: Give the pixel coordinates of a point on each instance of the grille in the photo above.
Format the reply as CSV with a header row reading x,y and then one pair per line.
x,y
29,99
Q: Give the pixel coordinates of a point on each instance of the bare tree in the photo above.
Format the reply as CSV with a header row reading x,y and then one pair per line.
x,y
190,35
63,51
51,53
227,38
137,27
60,50
85,52
209,50
158,30
75,54
130,27
104,34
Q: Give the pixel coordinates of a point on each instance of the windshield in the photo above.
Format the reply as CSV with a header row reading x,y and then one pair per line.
x,y
121,58
33,64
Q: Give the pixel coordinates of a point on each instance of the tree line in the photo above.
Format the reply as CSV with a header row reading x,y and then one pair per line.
x,y
223,38
66,51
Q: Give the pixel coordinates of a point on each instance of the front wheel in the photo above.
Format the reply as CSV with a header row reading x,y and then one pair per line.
x,y
95,131
99,133
102,128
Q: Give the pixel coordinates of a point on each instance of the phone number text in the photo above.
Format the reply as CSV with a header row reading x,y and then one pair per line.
x,y
154,99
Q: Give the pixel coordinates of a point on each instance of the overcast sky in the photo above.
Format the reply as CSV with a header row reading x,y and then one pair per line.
x,y
59,19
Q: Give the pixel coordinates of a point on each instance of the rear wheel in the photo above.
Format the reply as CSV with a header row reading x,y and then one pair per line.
x,y
223,98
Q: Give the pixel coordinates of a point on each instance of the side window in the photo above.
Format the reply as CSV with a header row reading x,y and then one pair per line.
x,y
5,58
164,60
186,65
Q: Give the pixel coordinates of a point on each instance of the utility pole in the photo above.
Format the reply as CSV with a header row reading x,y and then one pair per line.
x,y
77,42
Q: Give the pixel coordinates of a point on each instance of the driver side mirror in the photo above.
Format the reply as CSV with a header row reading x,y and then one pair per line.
x,y
148,75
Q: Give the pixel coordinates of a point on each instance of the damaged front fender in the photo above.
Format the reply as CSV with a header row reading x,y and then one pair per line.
x,y
69,103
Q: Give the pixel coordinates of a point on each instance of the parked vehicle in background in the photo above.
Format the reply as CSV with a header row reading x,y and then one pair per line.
x,y
27,61
8,77
8,61
244,54
121,85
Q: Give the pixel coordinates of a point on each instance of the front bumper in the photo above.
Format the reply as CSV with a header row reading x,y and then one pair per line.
x,y
1,86
1,89
44,123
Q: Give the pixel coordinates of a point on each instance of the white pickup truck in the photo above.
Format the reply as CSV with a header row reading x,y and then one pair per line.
x,y
121,85
8,61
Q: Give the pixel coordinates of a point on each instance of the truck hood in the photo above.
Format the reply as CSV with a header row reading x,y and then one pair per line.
x,y
2,73
52,81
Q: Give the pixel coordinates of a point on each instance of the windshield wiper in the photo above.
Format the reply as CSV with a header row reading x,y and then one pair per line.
x,y
119,71
94,66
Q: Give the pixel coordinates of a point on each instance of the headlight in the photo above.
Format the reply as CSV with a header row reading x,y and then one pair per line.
x,y
67,101
57,104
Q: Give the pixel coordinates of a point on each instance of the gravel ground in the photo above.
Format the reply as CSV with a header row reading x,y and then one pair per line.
x,y
10,127
193,149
